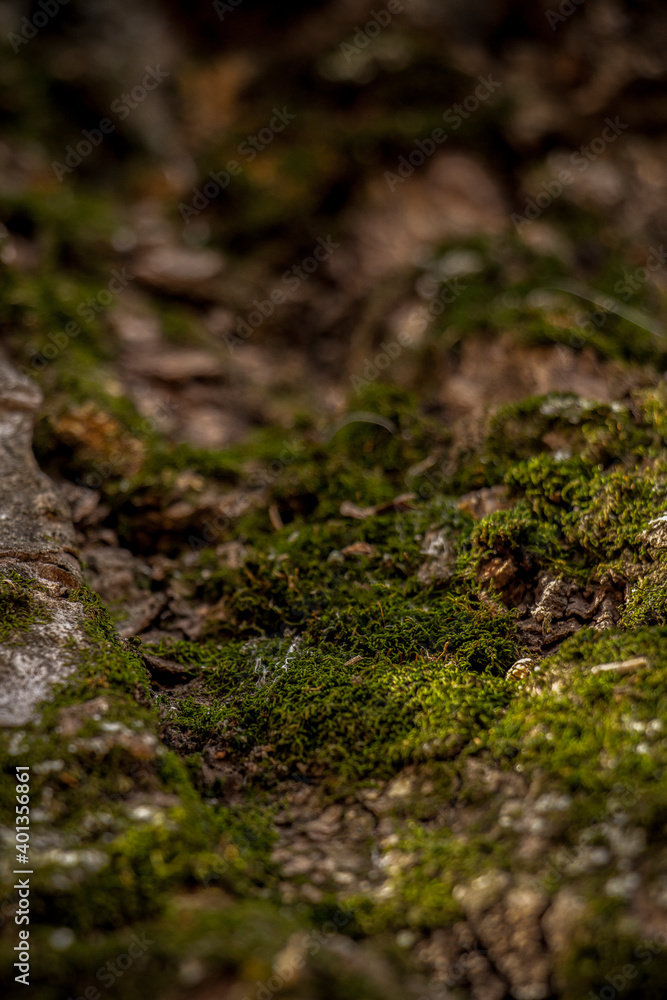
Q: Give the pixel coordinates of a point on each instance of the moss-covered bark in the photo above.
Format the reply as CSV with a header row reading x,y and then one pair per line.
x,y
375,682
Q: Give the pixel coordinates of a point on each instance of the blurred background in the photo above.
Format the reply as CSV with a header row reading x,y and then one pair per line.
x,y
172,165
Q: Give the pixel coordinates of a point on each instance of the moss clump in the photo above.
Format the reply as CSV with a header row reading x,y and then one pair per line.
x,y
514,533
110,663
218,941
511,287
593,738
362,691
477,637
584,481
591,731
602,514
568,429
647,601
636,966
18,609
287,577
596,433
365,458
126,826
127,829
425,866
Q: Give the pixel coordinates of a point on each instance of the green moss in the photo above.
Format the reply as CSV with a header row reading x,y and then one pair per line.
x,y
563,435
595,737
289,576
585,480
514,288
110,447
121,864
164,463
216,941
425,867
600,516
226,941
517,533
108,664
359,460
635,965
18,609
325,651
596,433
577,729
117,861
362,691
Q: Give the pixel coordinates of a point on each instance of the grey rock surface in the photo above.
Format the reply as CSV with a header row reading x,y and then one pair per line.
x,y
37,543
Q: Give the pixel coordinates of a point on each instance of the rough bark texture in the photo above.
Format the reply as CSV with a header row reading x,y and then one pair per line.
x,y
37,544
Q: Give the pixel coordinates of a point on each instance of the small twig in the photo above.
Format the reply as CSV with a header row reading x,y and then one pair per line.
x,y
275,518
621,666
